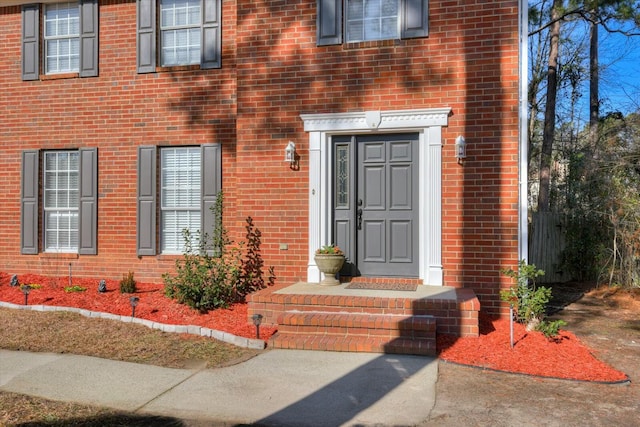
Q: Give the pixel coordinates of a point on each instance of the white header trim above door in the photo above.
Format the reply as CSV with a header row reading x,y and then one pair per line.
x,y
428,124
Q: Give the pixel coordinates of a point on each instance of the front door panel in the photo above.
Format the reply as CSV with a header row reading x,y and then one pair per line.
x,y
380,226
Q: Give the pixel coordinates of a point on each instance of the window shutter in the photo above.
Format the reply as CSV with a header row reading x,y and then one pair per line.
x,y
415,19
146,36
329,22
211,56
88,225
146,232
211,173
29,202
30,42
89,38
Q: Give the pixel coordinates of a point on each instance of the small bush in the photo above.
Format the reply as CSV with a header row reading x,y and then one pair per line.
x,y
530,301
128,284
212,272
74,288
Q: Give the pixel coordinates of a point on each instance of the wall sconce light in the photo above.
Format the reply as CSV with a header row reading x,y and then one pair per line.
x,y
134,302
290,153
257,319
461,149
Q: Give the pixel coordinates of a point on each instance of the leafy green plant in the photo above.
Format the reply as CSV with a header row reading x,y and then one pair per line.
x,y
528,300
550,329
128,284
75,288
212,272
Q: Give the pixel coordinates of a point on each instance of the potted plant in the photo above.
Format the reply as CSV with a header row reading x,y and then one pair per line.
x,y
329,260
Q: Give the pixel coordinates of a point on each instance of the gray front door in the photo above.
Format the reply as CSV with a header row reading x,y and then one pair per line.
x,y
375,204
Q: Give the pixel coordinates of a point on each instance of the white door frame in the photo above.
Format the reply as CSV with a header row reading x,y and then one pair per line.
x,y
428,124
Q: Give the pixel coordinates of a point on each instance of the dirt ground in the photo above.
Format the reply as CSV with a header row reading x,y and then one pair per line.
x,y
608,321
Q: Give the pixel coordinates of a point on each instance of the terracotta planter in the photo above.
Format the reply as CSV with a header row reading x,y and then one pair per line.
x,y
329,264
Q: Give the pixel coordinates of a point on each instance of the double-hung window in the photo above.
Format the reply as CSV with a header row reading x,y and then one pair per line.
x,y
177,33
177,187
61,38
61,200
180,32
180,196
59,191
352,21
69,39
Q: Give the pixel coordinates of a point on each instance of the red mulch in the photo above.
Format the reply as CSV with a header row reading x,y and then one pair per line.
x,y
533,354
153,304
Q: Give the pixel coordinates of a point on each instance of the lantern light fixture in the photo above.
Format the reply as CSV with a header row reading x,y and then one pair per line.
x,y
134,302
290,153
257,319
461,149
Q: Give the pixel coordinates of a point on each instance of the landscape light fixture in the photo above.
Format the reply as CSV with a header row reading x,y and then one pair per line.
x,y
14,280
257,319
25,290
134,302
461,149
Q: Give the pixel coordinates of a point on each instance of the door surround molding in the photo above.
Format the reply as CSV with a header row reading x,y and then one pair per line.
x,y
428,124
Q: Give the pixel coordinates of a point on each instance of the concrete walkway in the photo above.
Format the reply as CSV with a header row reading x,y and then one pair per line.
x,y
278,387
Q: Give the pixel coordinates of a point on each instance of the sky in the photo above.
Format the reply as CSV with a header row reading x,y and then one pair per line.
x,y
620,79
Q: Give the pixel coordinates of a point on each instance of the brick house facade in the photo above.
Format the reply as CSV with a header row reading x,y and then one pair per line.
x,y
271,72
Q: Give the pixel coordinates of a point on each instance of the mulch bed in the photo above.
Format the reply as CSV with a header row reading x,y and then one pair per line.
x,y
533,354
153,304
383,286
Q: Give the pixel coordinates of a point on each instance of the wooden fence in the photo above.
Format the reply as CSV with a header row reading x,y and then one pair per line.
x,y
546,242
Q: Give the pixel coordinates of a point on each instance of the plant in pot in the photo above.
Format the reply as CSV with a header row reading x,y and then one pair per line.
x,y
329,260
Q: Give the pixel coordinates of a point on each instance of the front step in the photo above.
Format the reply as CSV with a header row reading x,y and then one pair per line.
x,y
356,332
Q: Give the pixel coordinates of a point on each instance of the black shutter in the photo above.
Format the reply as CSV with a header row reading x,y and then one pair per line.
x,y
146,36
31,42
89,38
88,224
146,220
211,56
211,185
29,202
415,18
329,22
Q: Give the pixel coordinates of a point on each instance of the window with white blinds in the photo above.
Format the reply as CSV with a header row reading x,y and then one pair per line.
x,y
372,20
62,38
180,26
180,196
61,200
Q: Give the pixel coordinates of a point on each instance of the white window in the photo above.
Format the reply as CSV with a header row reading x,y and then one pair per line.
x,y
62,38
372,20
180,26
180,196
61,200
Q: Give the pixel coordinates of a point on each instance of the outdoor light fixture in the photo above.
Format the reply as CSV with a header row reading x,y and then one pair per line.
x,y
257,319
290,153
461,149
134,302
25,290
14,280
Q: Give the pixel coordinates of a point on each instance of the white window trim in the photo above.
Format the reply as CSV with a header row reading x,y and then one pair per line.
x,y
69,37
428,124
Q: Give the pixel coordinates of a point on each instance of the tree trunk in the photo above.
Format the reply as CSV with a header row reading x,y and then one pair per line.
x,y
594,81
550,111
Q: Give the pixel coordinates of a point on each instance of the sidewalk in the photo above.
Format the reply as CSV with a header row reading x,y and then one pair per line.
x,y
278,387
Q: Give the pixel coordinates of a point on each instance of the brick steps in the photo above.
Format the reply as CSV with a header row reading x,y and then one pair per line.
x,y
356,332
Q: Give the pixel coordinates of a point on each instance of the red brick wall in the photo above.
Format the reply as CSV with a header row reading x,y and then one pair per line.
x,y
469,63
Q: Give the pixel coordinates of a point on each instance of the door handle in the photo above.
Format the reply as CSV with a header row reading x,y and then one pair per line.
x,y
359,218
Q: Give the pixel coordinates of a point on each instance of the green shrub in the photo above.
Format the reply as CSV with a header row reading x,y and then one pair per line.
x,y
74,288
212,272
528,300
128,284
550,329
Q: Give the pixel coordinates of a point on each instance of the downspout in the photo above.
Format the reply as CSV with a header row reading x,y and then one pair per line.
x,y
523,169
